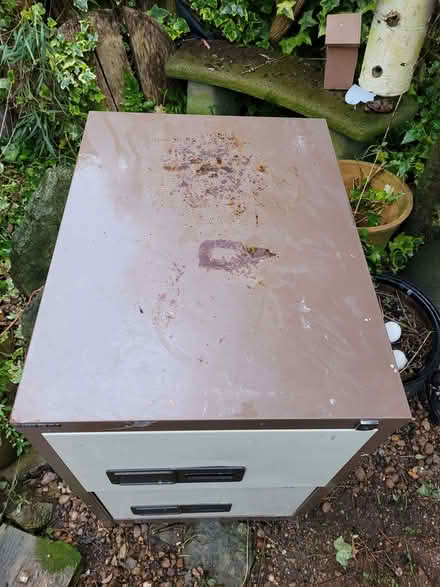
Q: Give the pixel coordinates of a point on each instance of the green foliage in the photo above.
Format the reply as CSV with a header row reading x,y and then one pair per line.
x,y
174,99
368,204
312,25
51,85
133,99
392,258
247,21
55,556
427,489
286,8
241,21
406,154
173,25
17,184
344,551
8,11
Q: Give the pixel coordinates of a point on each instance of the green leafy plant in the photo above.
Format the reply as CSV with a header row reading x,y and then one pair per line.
x,y
8,11
173,24
312,25
428,489
174,99
9,432
344,551
392,258
286,8
247,21
50,85
133,98
368,203
242,21
406,150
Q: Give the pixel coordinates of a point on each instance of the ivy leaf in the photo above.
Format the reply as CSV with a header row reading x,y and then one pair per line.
x,y
410,136
367,6
286,8
327,6
233,9
289,45
81,5
344,551
307,20
158,13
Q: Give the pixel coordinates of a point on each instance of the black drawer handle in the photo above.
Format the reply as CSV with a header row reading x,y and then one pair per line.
x,y
171,476
177,510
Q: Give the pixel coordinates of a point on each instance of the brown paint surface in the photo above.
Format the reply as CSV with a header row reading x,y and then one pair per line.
x,y
229,255
230,335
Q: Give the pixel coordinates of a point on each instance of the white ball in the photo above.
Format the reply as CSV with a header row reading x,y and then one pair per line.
x,y
394,331
401,360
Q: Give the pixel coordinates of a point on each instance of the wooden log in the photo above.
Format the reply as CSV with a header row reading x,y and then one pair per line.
x,y
112,61
22,560
281,24
151,49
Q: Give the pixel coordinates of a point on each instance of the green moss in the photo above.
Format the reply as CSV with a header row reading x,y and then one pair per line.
x,y
291,82
56,556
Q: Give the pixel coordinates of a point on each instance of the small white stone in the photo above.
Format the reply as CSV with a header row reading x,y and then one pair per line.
x,y
400,358
394,331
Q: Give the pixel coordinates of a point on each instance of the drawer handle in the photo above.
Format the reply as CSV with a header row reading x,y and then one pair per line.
x,y
156,510
172,476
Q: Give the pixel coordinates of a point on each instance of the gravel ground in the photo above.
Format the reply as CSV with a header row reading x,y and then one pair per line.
x,y
393,529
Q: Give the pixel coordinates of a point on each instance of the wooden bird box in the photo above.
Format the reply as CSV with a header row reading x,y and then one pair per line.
x,y
342,39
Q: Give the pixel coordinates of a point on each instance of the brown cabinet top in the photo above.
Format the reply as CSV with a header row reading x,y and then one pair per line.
x,y
208,268
343,30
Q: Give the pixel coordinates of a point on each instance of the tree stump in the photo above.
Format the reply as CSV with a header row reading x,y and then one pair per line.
x,y
151,49
111,58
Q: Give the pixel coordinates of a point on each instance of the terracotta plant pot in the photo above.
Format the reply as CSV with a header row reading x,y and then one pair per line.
x,y
7,452
395,213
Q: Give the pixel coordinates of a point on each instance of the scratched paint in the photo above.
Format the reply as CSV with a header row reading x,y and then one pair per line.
x,y
214,169
231,256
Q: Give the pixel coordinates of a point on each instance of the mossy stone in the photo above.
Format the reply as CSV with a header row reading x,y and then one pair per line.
x,y
34,240
31,516
211,100
291,82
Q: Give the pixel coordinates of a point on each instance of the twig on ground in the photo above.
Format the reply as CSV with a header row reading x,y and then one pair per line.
x,y
373,167
269,61
247,558
418,351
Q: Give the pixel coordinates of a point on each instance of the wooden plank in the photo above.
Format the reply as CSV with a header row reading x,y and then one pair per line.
x,y
70,29
151,49
20,556
111,57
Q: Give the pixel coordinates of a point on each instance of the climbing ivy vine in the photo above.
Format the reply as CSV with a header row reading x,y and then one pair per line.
x,y
248,21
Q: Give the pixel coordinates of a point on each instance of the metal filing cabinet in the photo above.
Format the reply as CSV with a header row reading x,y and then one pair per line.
x,y
209,341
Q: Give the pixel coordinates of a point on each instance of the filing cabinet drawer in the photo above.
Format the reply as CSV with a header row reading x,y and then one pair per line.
x,y
275,458
204,503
